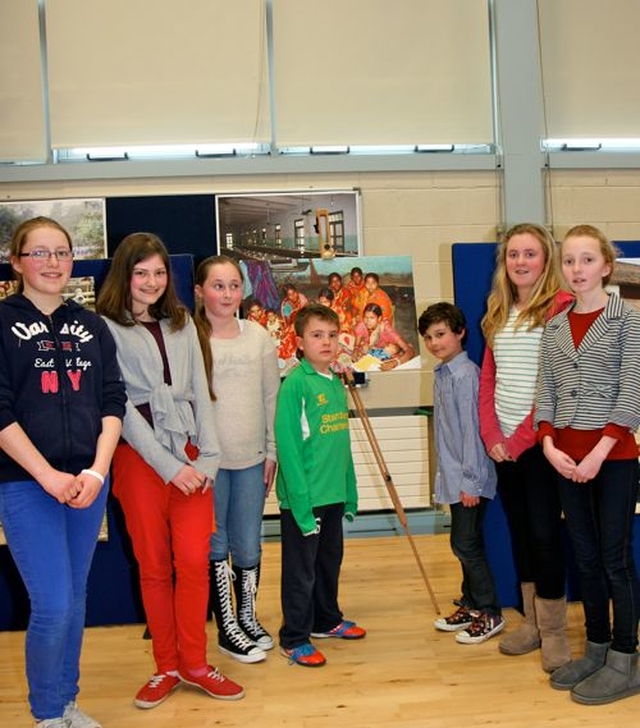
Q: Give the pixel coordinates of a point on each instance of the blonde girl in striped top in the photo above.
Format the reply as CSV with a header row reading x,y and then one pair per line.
x,y
525,294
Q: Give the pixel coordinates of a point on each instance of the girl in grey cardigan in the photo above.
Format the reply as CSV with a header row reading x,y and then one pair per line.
x,y
164,469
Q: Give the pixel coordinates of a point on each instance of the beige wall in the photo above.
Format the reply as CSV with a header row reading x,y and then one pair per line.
x,y
608,199
415,213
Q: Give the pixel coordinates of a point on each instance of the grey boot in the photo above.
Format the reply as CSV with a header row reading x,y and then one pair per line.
x,y
618,679
246,587
568,676
231,639
527,637
551,615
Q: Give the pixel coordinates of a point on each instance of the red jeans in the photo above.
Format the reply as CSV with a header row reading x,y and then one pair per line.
x,y
170,533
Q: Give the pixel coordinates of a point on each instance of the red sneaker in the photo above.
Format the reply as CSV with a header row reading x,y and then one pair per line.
x,y
215,684
345,630
156,690
306,655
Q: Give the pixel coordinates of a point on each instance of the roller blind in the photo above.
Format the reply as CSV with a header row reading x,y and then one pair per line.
x,y
591,68
22,125
132,72
381,72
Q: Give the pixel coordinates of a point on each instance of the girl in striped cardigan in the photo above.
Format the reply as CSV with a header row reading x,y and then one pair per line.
x,y
587,410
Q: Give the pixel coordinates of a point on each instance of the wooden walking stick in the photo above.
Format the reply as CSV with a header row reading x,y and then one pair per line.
x,y
388,480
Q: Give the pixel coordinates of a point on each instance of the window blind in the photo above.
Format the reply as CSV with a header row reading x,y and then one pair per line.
x,y
591,68
22,124
376,72
134,72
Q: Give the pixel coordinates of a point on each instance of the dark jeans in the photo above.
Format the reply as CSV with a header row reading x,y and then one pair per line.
x,y
600,517
467,544
310,573
528,490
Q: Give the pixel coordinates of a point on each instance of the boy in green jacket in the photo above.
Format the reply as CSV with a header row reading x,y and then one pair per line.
x,y
316,487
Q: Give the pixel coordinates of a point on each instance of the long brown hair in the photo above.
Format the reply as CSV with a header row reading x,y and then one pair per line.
x,y
504,294
19,240
114,299
203,325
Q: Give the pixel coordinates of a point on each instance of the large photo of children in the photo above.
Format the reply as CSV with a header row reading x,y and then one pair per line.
x,y
373,297
299,248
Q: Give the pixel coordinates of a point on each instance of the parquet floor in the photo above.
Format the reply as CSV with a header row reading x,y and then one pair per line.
x,y
404,674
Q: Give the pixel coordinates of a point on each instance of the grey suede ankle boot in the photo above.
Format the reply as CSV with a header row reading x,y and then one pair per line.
x,y
618,679
574,672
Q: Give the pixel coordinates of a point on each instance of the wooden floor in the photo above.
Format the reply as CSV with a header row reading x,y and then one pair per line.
x,y
405,674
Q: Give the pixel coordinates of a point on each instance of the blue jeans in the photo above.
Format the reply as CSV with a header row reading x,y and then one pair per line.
x,y
239,497
52,546
467,544
600,515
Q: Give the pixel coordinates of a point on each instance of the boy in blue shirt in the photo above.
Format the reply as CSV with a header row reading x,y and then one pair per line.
x,y
465,478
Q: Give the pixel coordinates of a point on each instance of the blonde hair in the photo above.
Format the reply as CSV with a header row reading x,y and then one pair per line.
x,y
607,248
504,294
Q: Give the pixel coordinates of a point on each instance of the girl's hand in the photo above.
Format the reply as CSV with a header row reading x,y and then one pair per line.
x,y
499,453
89,488
564,464
64,487
587,468
268,475
188,479
590,465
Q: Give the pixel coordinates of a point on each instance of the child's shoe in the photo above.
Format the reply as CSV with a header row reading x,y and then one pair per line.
x,y
483,627
215,684
345,630
77,718
306,655
460,619
52,723
156,690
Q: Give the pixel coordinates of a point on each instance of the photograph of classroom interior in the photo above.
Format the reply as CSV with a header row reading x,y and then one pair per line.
x,y
452,119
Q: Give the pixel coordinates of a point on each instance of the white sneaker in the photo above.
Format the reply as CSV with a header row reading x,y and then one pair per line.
x,y
76,718
52,723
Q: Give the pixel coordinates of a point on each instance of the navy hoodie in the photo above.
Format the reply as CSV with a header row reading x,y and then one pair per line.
x,y
59,377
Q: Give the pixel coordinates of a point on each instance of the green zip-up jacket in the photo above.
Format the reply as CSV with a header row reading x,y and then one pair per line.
x,y
314,446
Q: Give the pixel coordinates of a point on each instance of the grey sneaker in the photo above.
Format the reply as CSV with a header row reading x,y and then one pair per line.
x,y
52,723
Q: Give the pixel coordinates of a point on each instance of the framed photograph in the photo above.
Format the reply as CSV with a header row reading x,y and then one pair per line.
x,y
373,297
288,225
83,218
